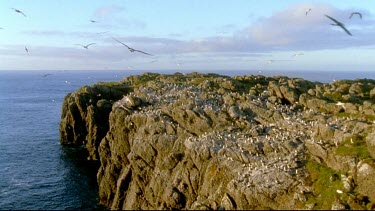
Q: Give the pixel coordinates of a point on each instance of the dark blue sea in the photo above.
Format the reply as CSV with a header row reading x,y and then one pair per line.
x,y
36,172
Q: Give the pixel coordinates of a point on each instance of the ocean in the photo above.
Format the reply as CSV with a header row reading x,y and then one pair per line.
x,y
36,172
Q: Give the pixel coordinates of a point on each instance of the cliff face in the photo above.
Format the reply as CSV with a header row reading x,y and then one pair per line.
x,y
84,118
200,141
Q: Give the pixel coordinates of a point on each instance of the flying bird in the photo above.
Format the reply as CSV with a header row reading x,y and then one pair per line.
x,y
86,46
355,13
45,75
1,28
102,32
27,50
279,60
131,49
338,23
297,54
307,11
92,21
18,11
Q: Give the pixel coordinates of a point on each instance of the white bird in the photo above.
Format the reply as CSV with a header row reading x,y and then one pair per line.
x,y
338,23
102,32
131,49
67,82
281,60
340,104
18,11
86,46
355,13
307,11
297,54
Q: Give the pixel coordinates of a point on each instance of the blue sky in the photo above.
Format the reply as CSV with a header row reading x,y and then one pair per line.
x,y
186,35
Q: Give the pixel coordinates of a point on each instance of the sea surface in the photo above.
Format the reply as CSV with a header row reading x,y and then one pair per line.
x,y
36,172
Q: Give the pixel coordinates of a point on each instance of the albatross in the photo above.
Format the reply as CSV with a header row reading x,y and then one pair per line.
x,y
86,46
131,49
18,11
355,13
338,23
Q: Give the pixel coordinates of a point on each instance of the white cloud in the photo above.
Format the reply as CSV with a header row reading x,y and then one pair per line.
x,y
292,29
103,12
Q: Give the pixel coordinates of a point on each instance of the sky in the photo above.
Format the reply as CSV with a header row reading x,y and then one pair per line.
x,y
194,35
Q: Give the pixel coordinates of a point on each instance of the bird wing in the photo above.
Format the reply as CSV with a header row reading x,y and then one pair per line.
x,y
22,13
80,45
121,42
357,13
346,30
90,44
142,52
334,20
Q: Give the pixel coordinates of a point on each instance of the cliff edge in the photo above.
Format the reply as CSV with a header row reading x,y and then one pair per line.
x,y
207,141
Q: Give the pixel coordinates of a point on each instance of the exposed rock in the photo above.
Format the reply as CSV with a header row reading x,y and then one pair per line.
x,y
84,118
205,141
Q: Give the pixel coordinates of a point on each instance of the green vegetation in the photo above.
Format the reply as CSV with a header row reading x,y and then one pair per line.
x,y
367,117
110,84
325,183
137,80
354,146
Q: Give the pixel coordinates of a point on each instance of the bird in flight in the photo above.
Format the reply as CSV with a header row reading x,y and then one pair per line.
x,y
19,11
307,11
131,49
26,49
102,32
297,54
355,13
338,23
45,75
1,28
93,21
86,46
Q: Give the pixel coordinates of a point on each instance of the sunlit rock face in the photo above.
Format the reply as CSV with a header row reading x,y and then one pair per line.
x,y
206,141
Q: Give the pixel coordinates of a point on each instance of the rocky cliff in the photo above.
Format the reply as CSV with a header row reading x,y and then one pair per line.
x,y
206,141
